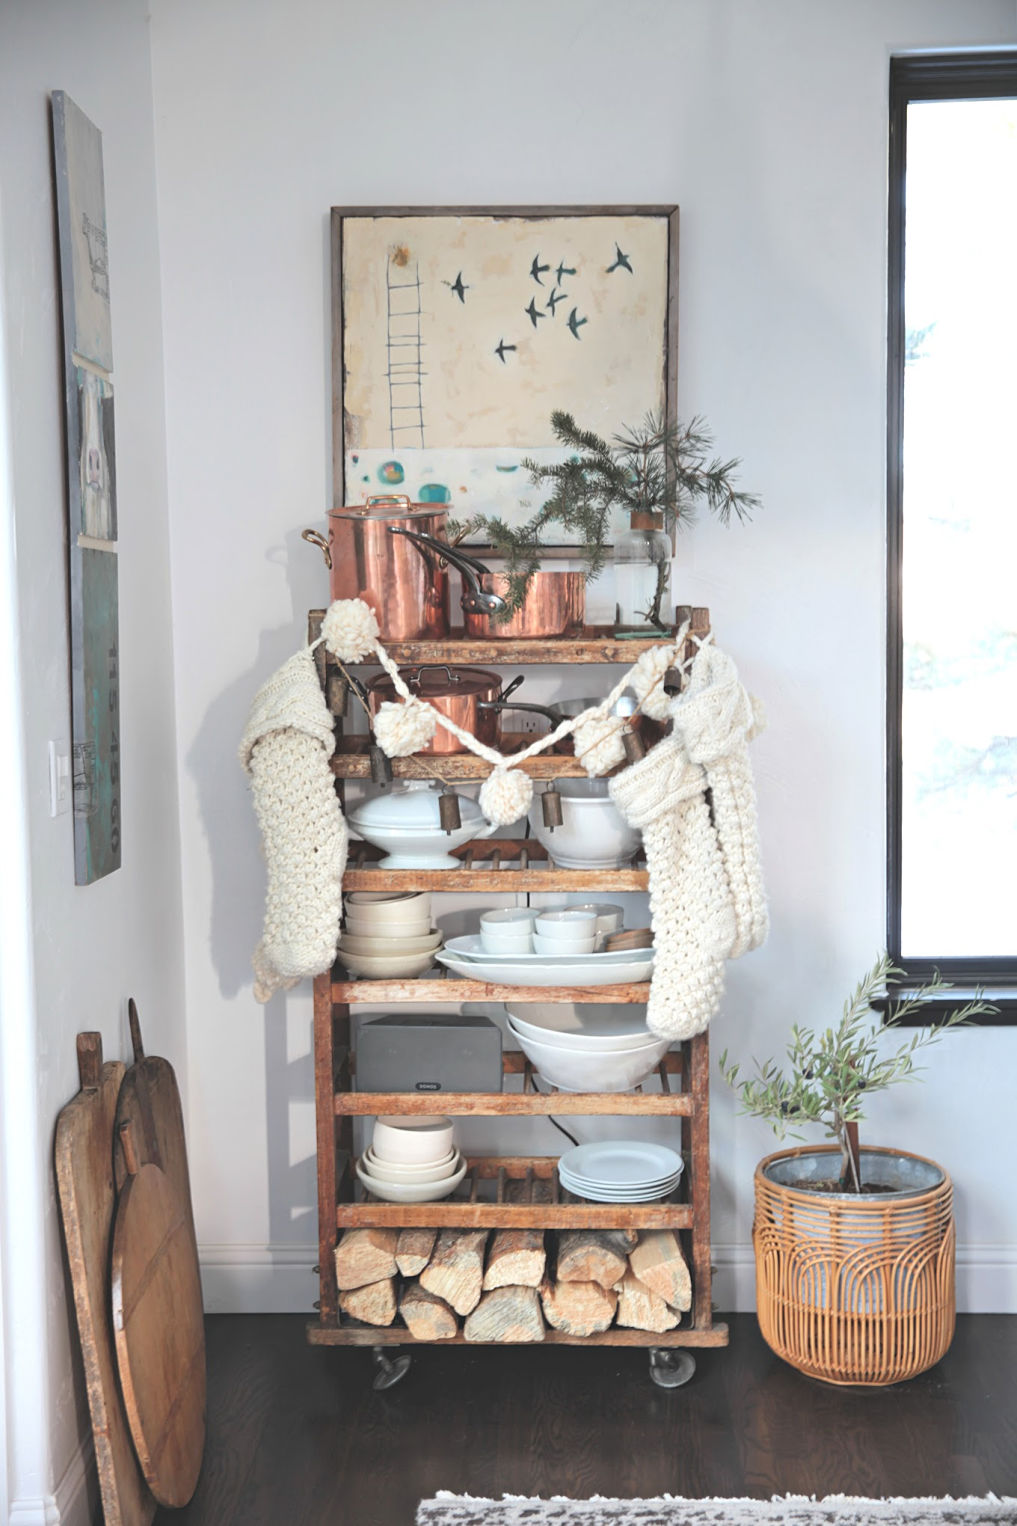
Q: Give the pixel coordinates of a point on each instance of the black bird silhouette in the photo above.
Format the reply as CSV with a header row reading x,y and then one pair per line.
x,y
621,260
575,324
536,268
500,349
563,270
553,300
457,286
534,312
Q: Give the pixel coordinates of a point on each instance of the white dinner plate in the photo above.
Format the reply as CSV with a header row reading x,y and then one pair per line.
x,y
470,947
546,972
403,1192
598,1195
580,1184
622,1162
590,1027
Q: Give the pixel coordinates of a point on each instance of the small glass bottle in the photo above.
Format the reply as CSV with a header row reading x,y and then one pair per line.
x,y
642,577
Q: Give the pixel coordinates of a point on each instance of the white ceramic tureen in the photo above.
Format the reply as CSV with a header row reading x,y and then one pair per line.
x,y
406,824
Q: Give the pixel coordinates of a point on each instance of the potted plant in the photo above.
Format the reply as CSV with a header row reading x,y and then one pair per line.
x,y
660,473
854,1247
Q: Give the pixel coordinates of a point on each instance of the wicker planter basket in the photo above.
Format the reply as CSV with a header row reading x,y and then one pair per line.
x,y
849,1288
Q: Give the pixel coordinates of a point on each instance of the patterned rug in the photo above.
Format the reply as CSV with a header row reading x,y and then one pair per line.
x,y
668,1510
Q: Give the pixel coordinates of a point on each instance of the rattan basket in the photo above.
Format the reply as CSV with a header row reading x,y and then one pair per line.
x,y
855,1289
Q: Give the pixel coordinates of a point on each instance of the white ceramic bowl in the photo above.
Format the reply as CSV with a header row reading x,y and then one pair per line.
x,y
610,919
575,1070
508,919
412,1141
593,833
386,966
566,922
594,1027
411,1192
378,947
406,824
419,927
387,897
393,1171
495,942
544,945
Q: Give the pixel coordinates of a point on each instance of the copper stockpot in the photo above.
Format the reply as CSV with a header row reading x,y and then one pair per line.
x,y
471,697
405,583
555,602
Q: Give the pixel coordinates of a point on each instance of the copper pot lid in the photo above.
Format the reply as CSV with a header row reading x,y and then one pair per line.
x,y
440,682
389,506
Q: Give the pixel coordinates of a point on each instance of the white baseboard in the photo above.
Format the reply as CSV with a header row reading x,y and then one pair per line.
x,y
279,1279
75,1501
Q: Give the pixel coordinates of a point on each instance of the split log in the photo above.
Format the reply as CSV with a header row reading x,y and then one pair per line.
x,y
375,1304
506,1314
591,1255
365,1255
658,1262
641,1309
413,1250
427,1317
455,1271
578,1308
517,1258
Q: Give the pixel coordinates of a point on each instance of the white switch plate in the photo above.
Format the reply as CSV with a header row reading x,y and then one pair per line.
x,y
59,777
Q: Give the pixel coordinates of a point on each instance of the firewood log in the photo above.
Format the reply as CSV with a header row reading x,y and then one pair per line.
x,y
365,1255
455,1271
375,1304
427,1317
413,1250
516,1258
658,1262
506,1314
641,1309
591,1255
578,1308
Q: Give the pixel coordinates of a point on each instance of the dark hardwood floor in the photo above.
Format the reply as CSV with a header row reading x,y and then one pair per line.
x,y
298,1437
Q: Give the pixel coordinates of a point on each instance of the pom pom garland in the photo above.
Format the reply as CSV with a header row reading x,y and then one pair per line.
x,y
647,679
505,796
350,630
598,743
405,727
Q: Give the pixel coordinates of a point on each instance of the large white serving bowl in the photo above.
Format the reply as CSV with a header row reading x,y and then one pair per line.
x,y
593,1027
550,969
412,1140
577,1070
386,966
395,1171
407,825
418,927
406,1192
378,947
593,833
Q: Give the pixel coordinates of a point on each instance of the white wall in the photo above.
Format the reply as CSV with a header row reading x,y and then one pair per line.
x,y
767,124
91,946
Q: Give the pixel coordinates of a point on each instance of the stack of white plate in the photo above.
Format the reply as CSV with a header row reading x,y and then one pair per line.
x,y
388,934
468,957
620,1171
411,1160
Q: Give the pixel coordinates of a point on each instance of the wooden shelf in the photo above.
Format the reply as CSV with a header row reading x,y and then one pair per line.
x,y
352,992
351,761
321,1334
508,866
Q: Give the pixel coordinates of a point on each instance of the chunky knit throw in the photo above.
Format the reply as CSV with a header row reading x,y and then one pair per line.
x,y
285,750
706,890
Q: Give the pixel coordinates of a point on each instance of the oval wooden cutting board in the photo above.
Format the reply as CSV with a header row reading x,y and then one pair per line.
x,y
158,1327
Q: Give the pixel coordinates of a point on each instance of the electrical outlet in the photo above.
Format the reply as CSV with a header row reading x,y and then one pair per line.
x,y
59,777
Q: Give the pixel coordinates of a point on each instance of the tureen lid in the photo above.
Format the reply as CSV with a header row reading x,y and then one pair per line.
x,y
412,806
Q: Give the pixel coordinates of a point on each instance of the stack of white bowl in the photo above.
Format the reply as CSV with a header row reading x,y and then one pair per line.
x,y
411,1160
388,934
587,1046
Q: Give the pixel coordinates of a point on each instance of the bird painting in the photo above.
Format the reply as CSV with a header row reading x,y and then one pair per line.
x,y
576,323
621,261
500,349
533,311
458,287
563,271
537,269
553,300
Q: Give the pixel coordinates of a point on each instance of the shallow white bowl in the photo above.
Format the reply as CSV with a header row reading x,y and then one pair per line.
x,y
575,1070
418,928
376,947
392,1171
593,833
508,919
386,966
610,918
412,1141
566,922
494,942
596,1027
405,1192
542,945
366,898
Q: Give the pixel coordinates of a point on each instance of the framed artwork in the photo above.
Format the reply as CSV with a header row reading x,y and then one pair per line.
x,y
91,491
457,331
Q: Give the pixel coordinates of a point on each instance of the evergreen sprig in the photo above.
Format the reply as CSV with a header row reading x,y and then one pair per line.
x,y
830,1075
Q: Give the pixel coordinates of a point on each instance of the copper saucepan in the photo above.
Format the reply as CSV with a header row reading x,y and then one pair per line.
x,y
472,697
555,602
406,585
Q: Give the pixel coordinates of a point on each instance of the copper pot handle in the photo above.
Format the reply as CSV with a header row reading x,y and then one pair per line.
x,y
475,600
314,539
400,498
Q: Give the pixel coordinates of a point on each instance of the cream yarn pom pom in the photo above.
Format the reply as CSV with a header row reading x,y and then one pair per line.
x,y
505,796
598,743
404,727
647,679
350,629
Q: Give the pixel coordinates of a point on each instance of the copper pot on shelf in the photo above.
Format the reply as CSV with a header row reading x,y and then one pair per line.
x,y
404,582
472,697
555,602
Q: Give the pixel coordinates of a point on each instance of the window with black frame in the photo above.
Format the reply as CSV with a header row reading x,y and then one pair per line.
x,y
952,534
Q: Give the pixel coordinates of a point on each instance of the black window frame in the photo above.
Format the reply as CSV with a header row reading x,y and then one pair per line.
x,y
926,77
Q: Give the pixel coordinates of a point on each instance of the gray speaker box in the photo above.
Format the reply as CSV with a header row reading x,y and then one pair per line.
x,y
421,1052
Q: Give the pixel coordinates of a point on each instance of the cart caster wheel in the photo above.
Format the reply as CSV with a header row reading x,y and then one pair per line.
x,y
389,1370
670,1368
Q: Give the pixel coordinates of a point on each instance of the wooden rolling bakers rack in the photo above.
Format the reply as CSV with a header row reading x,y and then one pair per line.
x,y
680,1088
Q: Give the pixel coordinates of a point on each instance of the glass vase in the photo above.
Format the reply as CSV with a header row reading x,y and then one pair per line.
x,y
642,578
